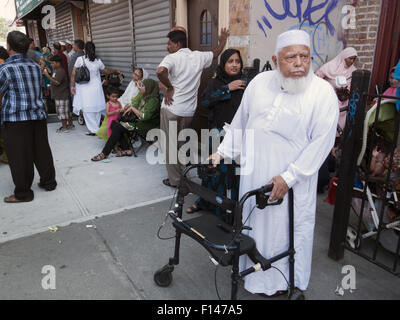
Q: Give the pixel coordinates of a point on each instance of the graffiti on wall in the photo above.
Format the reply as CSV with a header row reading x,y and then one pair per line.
x,y
312,17
323,10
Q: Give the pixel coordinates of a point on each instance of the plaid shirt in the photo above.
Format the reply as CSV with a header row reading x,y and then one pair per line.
x,y
21,88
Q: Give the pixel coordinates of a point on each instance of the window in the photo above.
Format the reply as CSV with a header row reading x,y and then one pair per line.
x,y
205,36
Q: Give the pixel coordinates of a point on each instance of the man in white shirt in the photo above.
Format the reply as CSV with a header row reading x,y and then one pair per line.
x,y
284,129
180,72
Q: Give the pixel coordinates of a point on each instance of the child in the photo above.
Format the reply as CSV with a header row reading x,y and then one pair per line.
x,y
113,107
380,163
60,93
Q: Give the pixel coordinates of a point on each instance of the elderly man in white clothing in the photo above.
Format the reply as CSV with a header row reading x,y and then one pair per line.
x,y
293,115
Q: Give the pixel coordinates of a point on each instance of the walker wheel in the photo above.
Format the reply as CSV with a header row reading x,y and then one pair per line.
x,y
297,295
163,276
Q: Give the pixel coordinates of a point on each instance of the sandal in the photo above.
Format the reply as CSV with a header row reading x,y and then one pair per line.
x,y
167,183
125,153
13,199
99,157
192,209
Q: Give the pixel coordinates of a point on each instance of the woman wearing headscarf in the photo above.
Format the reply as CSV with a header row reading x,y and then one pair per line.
x,y
393,85
129,94
146,106
341,66
223,97
89,97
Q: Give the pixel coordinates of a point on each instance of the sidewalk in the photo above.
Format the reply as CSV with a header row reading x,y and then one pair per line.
x,y
85,189
106,246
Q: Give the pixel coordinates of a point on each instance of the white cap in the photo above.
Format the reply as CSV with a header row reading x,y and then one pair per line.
x,y
292,38
62,43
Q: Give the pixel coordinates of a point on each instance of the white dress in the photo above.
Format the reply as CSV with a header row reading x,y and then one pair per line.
x,y
130,92
89,96
293,134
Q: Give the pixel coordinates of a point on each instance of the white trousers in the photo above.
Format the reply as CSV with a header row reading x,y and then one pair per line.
x,y
92,121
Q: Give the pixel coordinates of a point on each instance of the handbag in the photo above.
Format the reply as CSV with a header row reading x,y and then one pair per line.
x,y
82,74
129,117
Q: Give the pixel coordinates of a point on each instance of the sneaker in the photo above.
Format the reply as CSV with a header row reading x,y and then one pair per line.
x,y
62,130
70,127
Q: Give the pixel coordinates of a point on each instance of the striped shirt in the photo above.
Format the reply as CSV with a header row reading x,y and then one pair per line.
x,y
21,88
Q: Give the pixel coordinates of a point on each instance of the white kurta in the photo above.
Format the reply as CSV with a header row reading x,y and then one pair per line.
x,y
90,96
293,135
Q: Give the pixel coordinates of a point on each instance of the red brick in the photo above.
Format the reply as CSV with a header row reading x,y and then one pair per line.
x,y
368,54
362,9
362,59
367,48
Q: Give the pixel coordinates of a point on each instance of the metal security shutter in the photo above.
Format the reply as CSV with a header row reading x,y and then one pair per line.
x,y
111,33
151,26
64,28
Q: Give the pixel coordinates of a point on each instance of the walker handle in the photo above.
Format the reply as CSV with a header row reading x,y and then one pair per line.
x,y
255,268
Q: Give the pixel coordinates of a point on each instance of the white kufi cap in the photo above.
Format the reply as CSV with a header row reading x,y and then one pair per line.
x,y
293,38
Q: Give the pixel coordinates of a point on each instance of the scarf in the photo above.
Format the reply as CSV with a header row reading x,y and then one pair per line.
x,y
221,73
224,111
152,91
337,66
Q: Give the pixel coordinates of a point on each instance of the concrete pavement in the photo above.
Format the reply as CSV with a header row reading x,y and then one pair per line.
x,y
116,257
85,189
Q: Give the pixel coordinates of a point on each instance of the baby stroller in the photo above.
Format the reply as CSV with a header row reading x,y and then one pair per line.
x,y
224,242
373,220
107,80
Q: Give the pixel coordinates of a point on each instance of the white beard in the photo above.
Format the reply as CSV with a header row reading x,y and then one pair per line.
x,y
295,86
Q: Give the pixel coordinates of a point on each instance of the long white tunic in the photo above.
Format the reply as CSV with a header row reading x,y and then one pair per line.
x,y
90,96
293,135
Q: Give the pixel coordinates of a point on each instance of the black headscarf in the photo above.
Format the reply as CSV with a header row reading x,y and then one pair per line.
x,y
222,111
221,73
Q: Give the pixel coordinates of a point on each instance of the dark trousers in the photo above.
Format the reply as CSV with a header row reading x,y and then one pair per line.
x,y
27,144
117,135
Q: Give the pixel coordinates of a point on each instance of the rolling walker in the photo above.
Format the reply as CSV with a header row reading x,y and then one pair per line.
x,y
224,242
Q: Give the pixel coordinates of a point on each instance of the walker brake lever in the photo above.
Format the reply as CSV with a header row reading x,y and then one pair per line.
x,y
262,201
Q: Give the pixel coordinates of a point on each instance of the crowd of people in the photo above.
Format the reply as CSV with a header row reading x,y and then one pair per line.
x,y
293,113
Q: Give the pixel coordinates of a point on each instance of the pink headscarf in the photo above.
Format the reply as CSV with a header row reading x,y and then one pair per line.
x,y
337,66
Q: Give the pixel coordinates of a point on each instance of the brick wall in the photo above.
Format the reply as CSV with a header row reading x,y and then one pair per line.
x,y
363,38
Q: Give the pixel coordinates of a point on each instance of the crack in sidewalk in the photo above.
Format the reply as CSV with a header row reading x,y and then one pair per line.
x,y
118,264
